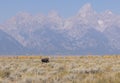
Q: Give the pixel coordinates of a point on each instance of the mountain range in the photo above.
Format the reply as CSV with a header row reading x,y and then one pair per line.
x,y
87,32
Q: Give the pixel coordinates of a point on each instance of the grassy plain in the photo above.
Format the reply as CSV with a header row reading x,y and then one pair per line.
x,y
60,69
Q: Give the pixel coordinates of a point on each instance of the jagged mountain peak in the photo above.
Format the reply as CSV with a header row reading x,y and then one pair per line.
x,y
109,12
86,10
87,6
53,16
52,34
23,14
53,13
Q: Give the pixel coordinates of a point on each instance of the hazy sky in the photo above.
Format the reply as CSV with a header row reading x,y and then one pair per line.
x,y
65,8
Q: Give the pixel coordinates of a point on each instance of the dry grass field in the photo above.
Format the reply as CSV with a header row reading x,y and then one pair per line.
x,y
69,69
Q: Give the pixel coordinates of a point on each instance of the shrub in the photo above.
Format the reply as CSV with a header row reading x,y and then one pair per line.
x,y
4,73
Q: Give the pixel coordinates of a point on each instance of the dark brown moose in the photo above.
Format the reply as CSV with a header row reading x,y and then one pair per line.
x,y
45,60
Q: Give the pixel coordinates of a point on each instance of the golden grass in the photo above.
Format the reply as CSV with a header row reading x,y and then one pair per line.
x,y
60,69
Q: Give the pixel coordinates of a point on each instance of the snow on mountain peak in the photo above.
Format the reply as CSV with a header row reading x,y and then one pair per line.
x,y
108,12
101,23
86,7
86,10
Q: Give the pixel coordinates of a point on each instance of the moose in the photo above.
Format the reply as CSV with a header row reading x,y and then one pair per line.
x,y
45,60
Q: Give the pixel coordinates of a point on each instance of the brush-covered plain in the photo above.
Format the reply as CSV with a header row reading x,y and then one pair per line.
x,y
60,69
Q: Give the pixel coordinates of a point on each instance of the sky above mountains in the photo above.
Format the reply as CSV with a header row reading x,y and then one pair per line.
x,y
65,8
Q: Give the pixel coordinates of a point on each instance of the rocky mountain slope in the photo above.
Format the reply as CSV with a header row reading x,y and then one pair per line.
x,y
87,32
